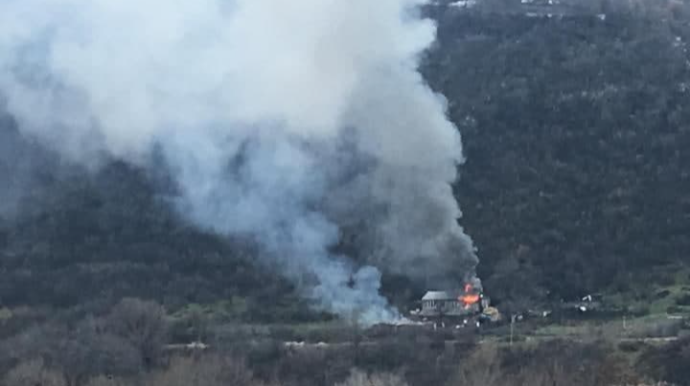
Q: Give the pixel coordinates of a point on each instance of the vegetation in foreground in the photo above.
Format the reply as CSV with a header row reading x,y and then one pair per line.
x,y
130,345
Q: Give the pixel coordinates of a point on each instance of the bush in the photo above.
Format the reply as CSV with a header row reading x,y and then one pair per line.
x,y
208,370
33,373
674,310
683,300
631,346
660,329
102,380
566,363
482,368
668,363
142,324
359,378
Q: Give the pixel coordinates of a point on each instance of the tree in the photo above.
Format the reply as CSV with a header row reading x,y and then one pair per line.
x,y
360,378
142,324
668,363
88,352
482,368
209,370
85,351
102,380
33,373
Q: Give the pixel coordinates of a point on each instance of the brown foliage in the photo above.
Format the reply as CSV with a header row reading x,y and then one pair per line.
x,y
33,373
142,324
360,378
482,368
669,362
547,364
210,370
90,351
102,380
87,350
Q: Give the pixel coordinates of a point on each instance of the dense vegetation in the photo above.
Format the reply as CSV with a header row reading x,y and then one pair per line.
x,y
88,240
575,131
126,346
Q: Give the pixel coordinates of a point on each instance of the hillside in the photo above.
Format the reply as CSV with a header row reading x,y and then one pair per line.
x,y
575,130
77,239
575,122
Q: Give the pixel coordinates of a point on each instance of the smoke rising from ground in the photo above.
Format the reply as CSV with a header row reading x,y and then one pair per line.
x,y
291,122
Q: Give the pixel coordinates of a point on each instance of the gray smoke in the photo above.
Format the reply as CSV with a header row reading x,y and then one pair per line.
x,y
297,123
23,170
15,169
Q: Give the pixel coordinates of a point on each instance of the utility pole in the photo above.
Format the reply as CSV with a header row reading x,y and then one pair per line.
x,y
512,328
625,323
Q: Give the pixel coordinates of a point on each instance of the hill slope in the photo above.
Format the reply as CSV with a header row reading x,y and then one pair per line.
x,y
575,129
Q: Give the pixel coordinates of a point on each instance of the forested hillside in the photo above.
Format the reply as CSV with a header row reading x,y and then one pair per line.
x,y
69,237
576,131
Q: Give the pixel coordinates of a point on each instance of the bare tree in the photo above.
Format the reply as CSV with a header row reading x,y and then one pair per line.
x,y
142,324
90,351
36,342
482,368
360,378
33,373
204,371
85,351
103,380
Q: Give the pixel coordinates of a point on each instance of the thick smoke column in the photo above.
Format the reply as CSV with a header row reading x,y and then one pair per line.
x,y
290,122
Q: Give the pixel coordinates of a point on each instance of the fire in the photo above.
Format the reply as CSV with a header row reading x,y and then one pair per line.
x,y
469,298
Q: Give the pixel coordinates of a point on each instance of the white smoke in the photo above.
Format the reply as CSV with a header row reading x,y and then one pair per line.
x,y
250,101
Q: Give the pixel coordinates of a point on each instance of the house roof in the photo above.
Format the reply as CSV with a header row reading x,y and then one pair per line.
x,y
438,295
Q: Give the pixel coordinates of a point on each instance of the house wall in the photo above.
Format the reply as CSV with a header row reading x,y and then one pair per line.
x,y
446,307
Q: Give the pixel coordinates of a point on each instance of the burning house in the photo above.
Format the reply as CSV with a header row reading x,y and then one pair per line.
x,y
468,301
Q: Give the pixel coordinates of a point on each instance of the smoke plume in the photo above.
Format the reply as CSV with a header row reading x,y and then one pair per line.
x,y
302,124
23,170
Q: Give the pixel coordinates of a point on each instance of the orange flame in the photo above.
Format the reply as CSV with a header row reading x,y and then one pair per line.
x,y
469,298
